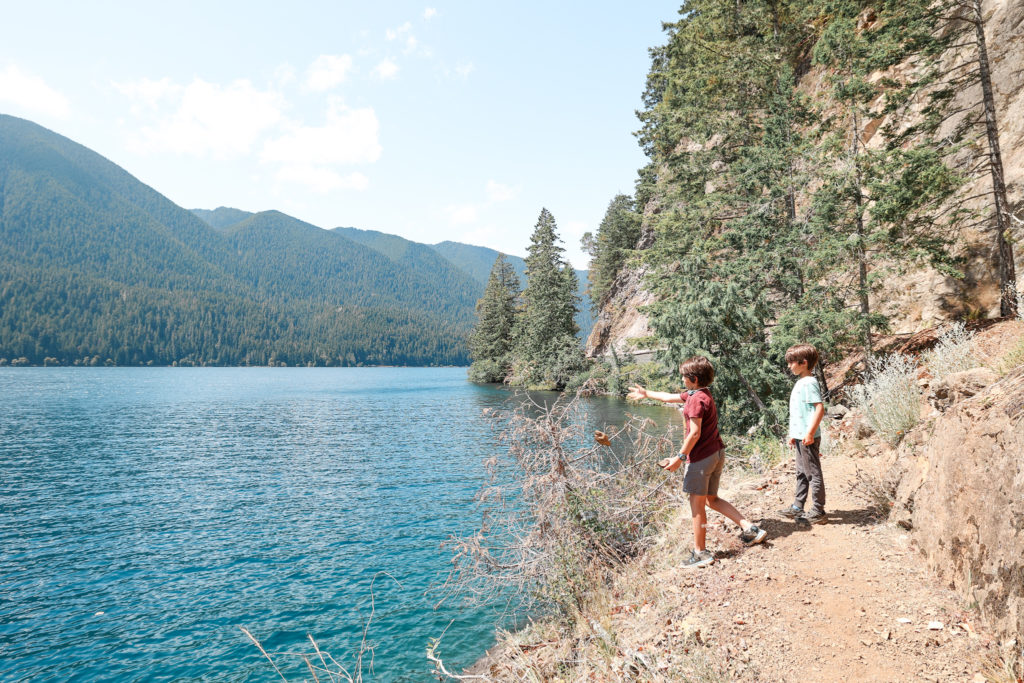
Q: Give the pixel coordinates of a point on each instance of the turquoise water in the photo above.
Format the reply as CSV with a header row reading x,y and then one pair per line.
x,y
146,514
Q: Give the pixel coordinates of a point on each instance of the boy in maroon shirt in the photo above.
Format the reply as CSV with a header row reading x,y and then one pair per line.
x,y
704,453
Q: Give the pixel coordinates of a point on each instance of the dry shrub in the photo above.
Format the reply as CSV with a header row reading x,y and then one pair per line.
x,y
562,512
953,352
878,493
890,398
1006,665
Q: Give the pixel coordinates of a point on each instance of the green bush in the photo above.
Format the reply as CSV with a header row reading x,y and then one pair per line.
x,y
486,372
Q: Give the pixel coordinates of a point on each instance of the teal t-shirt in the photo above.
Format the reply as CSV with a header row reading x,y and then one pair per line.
x,y
806,393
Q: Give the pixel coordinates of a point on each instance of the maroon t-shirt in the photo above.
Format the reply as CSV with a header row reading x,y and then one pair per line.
x,y
699,404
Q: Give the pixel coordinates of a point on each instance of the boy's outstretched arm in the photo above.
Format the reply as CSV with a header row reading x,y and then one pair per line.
x,y
637,392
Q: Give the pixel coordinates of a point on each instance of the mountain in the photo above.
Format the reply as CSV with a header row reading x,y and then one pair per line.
x,y
222,217
476,262
96,267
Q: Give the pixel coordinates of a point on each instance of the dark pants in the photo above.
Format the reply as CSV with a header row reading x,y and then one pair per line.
x,y
808,476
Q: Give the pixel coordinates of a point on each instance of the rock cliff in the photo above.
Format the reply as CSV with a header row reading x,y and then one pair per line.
x,y
961,489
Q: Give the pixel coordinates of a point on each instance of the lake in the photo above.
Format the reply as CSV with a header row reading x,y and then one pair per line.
x,y
146,514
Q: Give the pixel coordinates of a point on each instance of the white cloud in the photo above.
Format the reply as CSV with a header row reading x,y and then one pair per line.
x,y
149,94
31,93
465,69
386,70
497,192
284,75
401,32
321,179
461,214
327,71
349,136
210,119
429,13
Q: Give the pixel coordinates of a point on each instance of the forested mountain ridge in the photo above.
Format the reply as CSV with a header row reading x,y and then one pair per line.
x,y
222,217
98,268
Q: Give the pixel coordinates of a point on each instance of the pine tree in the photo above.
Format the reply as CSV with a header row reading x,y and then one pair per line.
x,y
490,344
616,236
547,352
949,40
877,208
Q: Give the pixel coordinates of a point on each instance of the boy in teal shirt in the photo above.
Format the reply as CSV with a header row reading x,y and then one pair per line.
x,y
805,413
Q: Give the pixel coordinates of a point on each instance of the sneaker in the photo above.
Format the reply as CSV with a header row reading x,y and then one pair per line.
x,y
792,512
753,534
699,559
814,518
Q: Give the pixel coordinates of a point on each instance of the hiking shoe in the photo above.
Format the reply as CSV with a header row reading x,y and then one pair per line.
x,y
792,512
753,534
814,518
699,559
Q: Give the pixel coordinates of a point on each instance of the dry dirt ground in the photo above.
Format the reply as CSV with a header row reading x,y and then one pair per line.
x,y
845,601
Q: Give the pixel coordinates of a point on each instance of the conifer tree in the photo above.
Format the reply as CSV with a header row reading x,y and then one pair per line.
x,y
490,344
547,352
949,39
616,236
877,208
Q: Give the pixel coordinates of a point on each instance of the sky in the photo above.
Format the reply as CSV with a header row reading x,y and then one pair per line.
x,y
430,120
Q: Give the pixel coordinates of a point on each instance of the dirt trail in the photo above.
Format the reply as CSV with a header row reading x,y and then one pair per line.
x,y
846,601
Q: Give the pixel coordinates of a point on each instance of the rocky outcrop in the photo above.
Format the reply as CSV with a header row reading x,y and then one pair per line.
x,y
960,385
962,493
621,323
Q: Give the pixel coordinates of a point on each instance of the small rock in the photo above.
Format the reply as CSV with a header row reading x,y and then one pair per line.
x,y
904,620
934,625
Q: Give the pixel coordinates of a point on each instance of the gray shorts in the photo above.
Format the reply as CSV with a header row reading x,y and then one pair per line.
x,y
702,477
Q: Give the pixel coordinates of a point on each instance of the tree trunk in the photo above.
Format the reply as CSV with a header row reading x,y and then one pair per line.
x,y
753,394
1007,272
862,257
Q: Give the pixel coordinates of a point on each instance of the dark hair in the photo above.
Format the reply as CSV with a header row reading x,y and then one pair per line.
x,y
802,352
699,369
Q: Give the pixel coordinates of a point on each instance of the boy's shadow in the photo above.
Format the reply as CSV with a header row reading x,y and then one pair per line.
x,y
780,527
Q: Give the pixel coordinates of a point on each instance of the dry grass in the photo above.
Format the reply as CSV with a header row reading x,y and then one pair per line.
x,y
954,352
321,665
1006,665
875,491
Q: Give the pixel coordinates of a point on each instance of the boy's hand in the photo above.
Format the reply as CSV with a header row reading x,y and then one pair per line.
x,y
809,440
791,442
636,392
670,464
